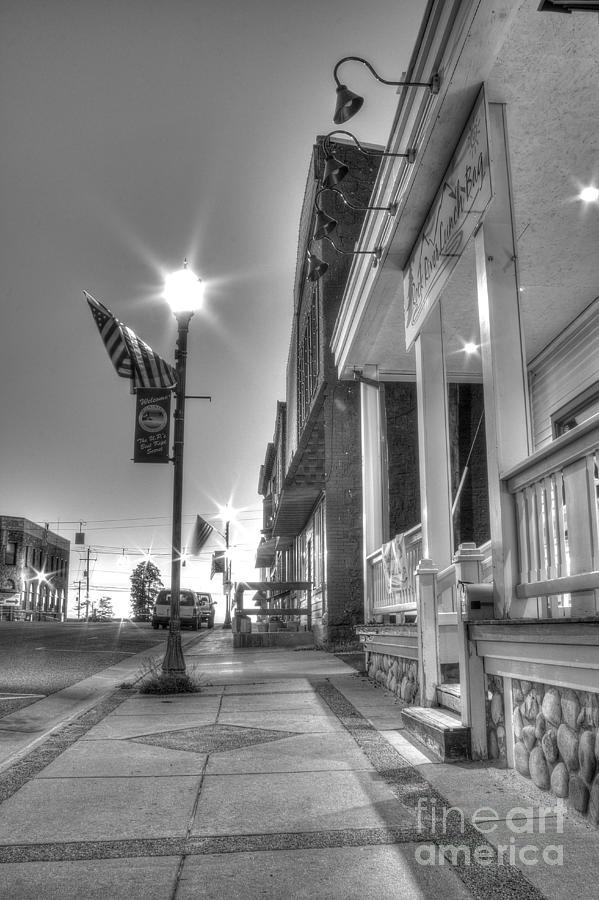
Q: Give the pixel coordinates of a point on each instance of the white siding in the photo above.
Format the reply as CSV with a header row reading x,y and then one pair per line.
x,y
565,368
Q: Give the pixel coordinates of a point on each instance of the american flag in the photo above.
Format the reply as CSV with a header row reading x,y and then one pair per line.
x,y
201,532
130,356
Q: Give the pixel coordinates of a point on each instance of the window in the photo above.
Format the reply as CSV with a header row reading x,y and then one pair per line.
x,y
577,411
319,546
10,553
308,361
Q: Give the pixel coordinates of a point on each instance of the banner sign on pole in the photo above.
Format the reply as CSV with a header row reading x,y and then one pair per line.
x,y
152,425
457,209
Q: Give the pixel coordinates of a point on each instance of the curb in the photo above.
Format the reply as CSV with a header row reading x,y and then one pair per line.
x,y
24,730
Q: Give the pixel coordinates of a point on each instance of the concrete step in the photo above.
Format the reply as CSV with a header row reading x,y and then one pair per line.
x,y
439,730
448,696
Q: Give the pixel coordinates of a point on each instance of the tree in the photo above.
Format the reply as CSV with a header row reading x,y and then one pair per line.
x,y
145,584
105,611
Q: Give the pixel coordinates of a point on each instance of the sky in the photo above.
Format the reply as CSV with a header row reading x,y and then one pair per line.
x,y
135,134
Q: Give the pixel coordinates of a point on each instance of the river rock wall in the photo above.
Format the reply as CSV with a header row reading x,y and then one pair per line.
x,y
397,674
556,742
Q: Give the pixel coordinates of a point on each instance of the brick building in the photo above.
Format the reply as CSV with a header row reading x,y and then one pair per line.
x,y
34,570
311,477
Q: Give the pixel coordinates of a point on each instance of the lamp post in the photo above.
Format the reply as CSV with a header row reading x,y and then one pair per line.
x,y
184,292
226,517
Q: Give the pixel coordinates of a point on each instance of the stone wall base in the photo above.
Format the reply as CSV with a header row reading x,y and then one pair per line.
x,y
556,742
398,674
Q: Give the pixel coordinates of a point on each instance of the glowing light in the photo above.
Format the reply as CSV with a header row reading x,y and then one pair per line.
x,y
41,577
470,348
589,194
184,291
227,513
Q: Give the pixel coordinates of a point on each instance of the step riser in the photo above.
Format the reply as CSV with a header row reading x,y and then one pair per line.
x,y
449,742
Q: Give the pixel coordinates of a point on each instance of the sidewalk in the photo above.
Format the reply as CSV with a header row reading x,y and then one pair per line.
x,y
288,777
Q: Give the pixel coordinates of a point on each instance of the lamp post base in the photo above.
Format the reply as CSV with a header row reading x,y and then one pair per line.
x,y
173,662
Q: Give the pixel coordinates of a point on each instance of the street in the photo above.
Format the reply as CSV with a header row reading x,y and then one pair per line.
x,y
39,658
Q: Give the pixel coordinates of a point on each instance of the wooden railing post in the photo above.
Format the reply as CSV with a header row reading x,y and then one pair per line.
x,y
472,676
429,666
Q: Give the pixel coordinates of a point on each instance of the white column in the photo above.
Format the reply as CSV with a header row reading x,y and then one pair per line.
x,y
503,364
429,666
433,443
472,674
374,480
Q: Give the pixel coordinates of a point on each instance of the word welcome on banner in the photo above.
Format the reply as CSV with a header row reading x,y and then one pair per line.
x,y
152,425
457,209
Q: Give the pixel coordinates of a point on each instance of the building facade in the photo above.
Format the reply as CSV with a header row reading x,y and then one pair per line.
x,y
311,477
34,570
488,281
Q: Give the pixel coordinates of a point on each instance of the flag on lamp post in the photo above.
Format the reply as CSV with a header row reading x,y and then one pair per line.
x,y
131,357
218,563
201,532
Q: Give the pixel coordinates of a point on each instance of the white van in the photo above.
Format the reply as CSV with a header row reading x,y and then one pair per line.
x,y
191,609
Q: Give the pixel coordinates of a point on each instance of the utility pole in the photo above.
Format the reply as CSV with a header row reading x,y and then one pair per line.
x,y
87,586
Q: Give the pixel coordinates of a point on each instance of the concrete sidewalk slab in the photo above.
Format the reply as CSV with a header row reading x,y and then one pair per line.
x,y
378,873
123,759
315,801
172,705
98,809
249,688
298,701
121,727
561,861
299,753
149,878
292,720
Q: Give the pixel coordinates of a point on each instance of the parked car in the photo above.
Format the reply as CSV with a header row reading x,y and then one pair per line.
x,y
190,609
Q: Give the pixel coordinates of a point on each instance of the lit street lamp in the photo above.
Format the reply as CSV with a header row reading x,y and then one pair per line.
x,y
184,293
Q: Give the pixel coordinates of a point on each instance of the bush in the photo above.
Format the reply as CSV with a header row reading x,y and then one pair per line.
x,y
152,680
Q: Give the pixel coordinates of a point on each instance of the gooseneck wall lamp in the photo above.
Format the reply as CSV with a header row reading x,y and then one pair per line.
x,y
348,103
325,224
317,266
335,170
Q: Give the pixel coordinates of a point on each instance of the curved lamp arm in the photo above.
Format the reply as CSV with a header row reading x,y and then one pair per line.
x,y
377,252
390,209
317,267
410,153
434,84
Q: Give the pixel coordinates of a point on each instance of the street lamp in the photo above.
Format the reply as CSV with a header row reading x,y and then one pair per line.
x,y
184,293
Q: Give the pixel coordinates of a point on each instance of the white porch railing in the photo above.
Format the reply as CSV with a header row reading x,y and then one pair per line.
x,y
555,494
398,600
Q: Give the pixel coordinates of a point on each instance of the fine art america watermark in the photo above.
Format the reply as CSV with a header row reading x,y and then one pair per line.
x,y
444,822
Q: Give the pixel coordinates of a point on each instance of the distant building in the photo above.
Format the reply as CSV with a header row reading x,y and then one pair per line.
x,y
34,570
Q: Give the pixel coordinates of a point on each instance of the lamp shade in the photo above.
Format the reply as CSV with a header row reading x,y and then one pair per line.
x,y
316,268
324,225
334,171
347,105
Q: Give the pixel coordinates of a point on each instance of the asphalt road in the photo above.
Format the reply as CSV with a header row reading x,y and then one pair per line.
x,y
39,658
